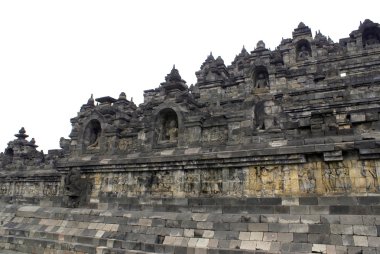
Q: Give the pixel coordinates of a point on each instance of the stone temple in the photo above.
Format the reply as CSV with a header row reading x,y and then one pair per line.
x,y
278,152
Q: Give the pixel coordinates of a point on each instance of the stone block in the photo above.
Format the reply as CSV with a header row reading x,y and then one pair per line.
x,y
319,248
374,241
213,243
369,200
340,249
188,232
172,223
300,210
319,210
158,222
192,242
268,218
290,201
262,209
279,227
205,225
298,228
369,220
308,200
285,237
270,237
202,243
354,250
341,229
310,219
234,244
319,228
248,245
258,227
221,226
318,238
299,247
208,234
330,219
260,245
288,218
360,240
245,236
256,236
238,226
226,235
200,216
365,230
351,219
175,232
169,240
187,224
231,218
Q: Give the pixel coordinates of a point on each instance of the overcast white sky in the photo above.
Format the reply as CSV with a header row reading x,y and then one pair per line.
x,y
54,54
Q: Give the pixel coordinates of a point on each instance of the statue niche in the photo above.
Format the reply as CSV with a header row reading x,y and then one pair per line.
x,y
8,157
261,77
303,50
371,36
92,135
168,126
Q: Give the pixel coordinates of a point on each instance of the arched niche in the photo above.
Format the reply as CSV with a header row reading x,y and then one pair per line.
x,y
167,126
371,36
303,50
9,153
261,77
240,65
92,134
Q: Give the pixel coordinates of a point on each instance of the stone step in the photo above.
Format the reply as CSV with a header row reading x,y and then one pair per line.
x,y
262,235
78,244
44,245
231,201
168,231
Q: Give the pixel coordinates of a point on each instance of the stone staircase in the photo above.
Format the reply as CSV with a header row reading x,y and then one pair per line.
x,y
197,225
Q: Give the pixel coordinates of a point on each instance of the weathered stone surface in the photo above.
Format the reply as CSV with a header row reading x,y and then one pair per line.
x,y
278,151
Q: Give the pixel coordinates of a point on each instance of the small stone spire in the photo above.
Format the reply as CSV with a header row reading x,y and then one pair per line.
x,y
32,143
301,25
91,101
260,45
122,96
21,134
210,57
173,75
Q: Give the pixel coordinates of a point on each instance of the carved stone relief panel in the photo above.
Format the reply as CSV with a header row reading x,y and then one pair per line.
x,y
192,181
306,178
162,182
235,182
211,182
215,135
31,189
128,143
110,143
370,173
336,177
5,188
50,189
231,92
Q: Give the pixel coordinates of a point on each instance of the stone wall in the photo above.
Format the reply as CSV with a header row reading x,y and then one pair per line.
x,y
278,151
302,119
